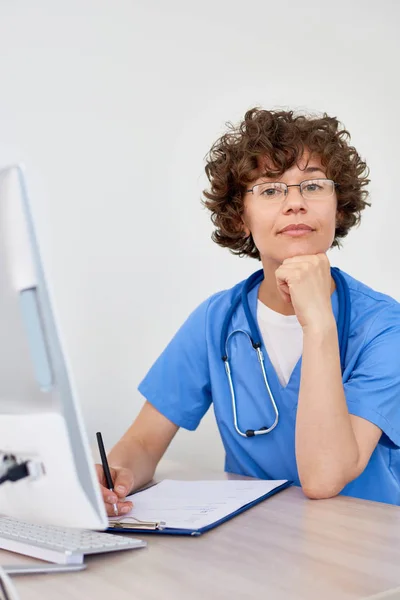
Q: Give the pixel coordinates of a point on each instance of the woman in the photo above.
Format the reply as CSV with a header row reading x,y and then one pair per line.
x,y
283,189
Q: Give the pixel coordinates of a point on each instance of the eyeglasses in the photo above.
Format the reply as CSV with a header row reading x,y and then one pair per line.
x,y
311,189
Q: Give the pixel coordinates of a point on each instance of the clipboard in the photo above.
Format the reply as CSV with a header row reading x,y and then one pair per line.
x,y
161,528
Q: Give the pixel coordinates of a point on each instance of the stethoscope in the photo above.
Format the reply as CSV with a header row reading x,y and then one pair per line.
x,y
343,326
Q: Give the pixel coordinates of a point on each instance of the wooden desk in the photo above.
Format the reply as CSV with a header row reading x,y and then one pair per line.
x,y
288,547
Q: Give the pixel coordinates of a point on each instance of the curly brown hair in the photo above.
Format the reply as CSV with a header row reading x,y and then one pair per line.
x,y
282,137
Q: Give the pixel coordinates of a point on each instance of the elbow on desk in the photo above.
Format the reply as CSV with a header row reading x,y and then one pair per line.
x,y
320,493
328,483
321,490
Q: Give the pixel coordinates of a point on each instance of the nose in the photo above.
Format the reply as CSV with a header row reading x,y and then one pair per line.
x,y
294,201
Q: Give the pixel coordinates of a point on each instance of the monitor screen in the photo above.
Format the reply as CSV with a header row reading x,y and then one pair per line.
x,y
40,418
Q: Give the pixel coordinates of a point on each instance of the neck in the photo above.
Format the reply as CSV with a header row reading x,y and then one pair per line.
x,y
268,292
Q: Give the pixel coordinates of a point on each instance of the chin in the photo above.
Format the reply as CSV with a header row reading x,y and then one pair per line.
x,y
295,249
300,251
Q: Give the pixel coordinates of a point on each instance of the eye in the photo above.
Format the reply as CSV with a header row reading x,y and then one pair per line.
x,y
270,190
313,187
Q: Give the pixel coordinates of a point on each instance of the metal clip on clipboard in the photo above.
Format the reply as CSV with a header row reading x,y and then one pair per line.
x,y
133,523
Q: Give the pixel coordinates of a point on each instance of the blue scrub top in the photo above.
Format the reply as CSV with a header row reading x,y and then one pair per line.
x,y
190,374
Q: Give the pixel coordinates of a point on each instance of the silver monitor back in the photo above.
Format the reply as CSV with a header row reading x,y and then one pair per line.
x,y
40,419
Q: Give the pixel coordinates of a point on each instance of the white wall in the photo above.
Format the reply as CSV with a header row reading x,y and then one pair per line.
x,y
112,105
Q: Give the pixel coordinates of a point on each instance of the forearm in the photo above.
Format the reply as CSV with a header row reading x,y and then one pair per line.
x,y
326,448
129,452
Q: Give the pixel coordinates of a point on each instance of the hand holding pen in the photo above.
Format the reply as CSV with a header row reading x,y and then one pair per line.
x,y
115,482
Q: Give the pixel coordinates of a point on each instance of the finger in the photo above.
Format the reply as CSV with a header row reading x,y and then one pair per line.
x,y
284,293
291,273
283,286
101,476
284,274
108,496
290,269
123,508
123,482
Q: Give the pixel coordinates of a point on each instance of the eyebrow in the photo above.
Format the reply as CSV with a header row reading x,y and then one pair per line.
x,y
306,170
313,169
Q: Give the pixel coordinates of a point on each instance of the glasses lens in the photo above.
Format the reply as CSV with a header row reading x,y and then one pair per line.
x,y
317,188
270,191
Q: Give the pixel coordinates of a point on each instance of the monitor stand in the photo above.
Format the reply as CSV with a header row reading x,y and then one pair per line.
x,y
7,587
36,568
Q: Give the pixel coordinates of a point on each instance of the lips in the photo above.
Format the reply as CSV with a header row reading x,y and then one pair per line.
x,y
299,227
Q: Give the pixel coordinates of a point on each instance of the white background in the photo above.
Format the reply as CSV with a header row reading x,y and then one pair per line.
x,y
112,106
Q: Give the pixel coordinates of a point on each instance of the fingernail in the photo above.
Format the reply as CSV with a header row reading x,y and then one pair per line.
x,y
120,489
112,499
125,509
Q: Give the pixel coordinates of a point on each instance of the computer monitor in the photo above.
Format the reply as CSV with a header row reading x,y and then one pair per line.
x,y
40,418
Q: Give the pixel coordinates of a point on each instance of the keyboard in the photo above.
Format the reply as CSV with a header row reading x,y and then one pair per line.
x,y
58,544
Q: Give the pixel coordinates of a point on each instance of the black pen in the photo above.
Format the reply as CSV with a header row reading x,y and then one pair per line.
x,y
106,468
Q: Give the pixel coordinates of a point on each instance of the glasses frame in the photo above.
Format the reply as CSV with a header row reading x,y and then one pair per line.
x,y
299,185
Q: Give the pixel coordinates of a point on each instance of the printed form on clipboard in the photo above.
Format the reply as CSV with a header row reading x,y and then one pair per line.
x,y
192,507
